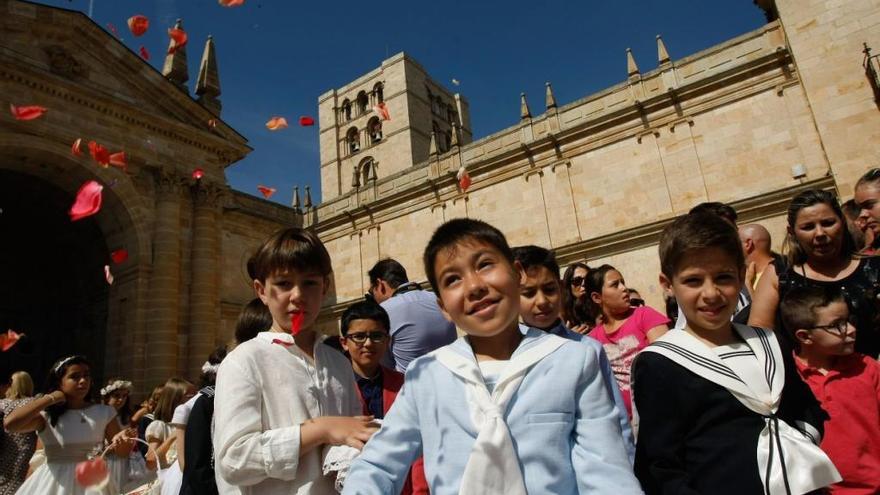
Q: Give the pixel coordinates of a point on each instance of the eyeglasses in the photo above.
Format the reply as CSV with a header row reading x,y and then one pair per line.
x,y
361,337
636,302
578,281
838,329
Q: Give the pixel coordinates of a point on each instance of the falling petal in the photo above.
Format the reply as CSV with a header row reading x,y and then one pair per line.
x,y
276,123
296,321
99,154
91,473
113,30
119,256
88,201
198,174
28,112
9,339
179,37
231,3
138,24
464,179
267,191
118,160
382,110
107,275
77,147
455,81
144,53
306,121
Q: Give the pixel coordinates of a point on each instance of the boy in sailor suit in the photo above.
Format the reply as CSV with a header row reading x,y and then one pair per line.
x,y
721,410
503,410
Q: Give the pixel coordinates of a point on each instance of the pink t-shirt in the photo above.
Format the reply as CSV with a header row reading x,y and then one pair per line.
x,y
624,345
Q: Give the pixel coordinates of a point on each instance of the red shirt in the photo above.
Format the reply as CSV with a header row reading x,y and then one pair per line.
x,y
850,394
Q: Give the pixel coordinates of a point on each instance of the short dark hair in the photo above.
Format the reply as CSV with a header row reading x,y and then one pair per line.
x,y
390,271
798,307
456,231
253,319
533,256
364,310
722,210
696,232
292,248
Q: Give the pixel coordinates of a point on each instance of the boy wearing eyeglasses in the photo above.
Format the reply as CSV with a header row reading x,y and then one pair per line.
x,y
846,383
364,335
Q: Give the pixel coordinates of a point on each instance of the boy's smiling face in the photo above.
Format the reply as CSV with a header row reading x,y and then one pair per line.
x,y
706,284
288,292
539,297
478,288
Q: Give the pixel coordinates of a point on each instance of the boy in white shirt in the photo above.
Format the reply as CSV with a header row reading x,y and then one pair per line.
x,y
282,397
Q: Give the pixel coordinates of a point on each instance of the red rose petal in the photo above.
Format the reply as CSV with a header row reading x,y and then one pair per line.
x,y
138,24
144,53
267,191
9,339
99,154
276,123
231,3
118,160
296,321
88,201
382,110
306,121
179,37
464,179
119,256
198,174
27,112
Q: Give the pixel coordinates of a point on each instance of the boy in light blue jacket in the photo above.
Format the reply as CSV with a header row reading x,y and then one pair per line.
x,y
504,410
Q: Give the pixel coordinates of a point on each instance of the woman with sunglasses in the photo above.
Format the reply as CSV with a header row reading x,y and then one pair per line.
x,y
821,254
575,304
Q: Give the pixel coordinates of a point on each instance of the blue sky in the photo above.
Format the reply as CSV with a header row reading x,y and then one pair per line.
x,y
277,56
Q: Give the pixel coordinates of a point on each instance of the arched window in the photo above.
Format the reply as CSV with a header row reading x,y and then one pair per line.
x,y
352,140
362,102
346,110
378,91
367,169
374,129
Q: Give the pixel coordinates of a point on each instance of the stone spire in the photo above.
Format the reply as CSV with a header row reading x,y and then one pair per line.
x,y
295,202
454,140
549,99
432,148
631,68
662,54
175,63
308,203
524,112
208,84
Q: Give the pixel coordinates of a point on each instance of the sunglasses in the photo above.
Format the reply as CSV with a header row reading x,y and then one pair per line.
x,y
579,281
361,337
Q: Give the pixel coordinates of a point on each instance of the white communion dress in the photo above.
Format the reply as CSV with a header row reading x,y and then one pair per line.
x,y
78,433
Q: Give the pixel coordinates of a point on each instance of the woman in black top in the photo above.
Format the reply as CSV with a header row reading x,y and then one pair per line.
x,y
821,253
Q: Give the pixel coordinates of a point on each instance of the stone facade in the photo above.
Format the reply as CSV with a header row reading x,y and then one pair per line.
x,y
597,179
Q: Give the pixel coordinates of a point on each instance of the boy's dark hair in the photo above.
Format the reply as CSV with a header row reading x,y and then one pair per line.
x,y
253,319
364,310
454,232
534,256
696,232
293,248
388,270
718,209
798,307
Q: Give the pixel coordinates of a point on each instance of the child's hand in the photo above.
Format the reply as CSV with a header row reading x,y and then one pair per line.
x,y
582,329
351,431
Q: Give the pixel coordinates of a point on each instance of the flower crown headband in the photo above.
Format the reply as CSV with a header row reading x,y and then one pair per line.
x,y
210,368
63,362
116,385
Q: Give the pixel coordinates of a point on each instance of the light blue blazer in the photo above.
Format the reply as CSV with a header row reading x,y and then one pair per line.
x,y
563,423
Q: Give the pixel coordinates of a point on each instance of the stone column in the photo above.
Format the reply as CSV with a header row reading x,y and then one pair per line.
x,y
163,313
204,295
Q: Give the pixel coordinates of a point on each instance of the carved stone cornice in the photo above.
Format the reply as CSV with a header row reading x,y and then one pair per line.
x,y
208,194
169,183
